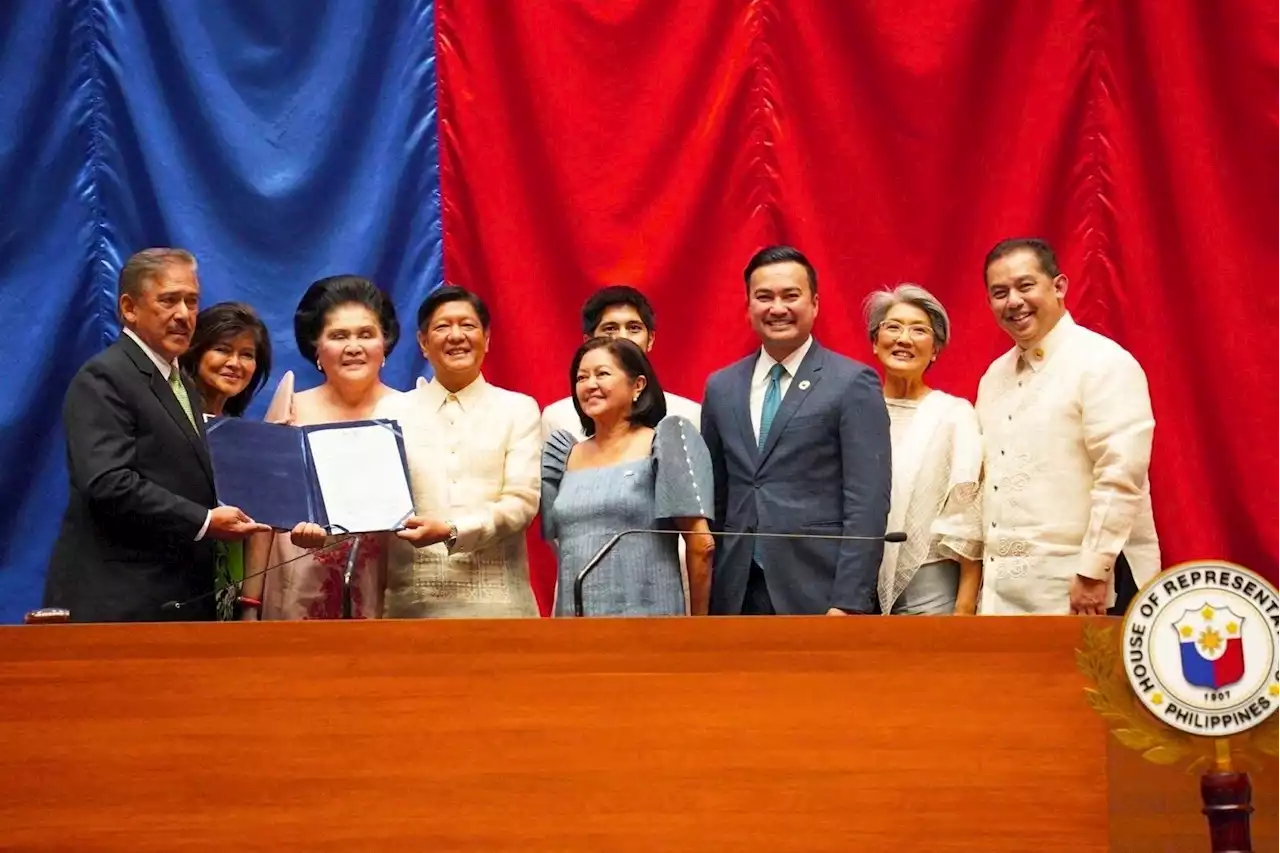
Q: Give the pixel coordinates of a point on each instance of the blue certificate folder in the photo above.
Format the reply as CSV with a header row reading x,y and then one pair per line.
x,y
272,473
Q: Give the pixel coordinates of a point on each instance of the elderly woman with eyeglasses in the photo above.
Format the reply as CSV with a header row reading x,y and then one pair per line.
x,y
937,463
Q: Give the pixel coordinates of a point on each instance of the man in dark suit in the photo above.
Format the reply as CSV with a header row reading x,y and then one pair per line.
x,y
799,439
142,516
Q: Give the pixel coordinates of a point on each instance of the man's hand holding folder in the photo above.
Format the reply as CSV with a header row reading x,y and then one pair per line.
x,y
230,524
421,532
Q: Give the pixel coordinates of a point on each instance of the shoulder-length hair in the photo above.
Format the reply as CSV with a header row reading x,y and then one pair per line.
x,y
218,324
649,409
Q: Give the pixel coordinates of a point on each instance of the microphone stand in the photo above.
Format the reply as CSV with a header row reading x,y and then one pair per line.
x,y
170,606
892,537
347,572
54,615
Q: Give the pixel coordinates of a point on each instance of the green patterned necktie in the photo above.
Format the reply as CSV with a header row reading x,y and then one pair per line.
x,y
180,391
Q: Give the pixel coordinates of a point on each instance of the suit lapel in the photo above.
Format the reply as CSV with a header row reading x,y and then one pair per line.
x,y
194,436
802,385
162,391
742,406
201,442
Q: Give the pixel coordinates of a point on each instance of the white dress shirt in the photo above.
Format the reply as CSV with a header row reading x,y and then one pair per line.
x,y
760,379
562,415
166,370
474,460
1067,429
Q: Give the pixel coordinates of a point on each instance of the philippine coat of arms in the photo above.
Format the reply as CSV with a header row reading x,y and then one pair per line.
x,y
1198,653
1212,651
1193,679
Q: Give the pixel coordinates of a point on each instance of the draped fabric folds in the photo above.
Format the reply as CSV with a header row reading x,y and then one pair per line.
x,y
280,142
660,143
657,142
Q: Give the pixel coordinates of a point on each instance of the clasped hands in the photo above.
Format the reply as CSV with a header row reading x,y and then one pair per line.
x,y
418,531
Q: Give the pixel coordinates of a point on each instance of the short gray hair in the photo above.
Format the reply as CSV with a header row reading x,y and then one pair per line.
x,y
877,305
144,266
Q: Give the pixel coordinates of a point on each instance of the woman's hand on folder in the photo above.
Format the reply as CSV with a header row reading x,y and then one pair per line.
x,y
307,535
421,532
230,523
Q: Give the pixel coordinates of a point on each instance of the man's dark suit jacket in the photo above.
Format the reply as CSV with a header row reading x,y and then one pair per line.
x,y
824,469
141,488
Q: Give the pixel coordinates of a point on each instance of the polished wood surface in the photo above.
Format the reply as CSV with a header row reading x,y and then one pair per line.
x,y
773,734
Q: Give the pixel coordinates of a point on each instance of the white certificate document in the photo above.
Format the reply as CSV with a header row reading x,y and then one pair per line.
x,y
362,477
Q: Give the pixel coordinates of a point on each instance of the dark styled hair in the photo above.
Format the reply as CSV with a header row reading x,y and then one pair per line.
x,y
607,297
771,255
1041,249
327,294
218,324
451,293
650,409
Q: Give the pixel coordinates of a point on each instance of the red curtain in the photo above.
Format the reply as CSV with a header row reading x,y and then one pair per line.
x,y
661,142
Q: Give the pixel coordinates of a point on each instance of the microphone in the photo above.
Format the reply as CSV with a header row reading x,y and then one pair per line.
x,y
894,536
170,606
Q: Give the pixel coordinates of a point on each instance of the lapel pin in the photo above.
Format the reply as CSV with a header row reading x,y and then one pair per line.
x,y
804,384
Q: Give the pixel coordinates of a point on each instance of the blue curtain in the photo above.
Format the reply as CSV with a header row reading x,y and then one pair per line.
x,y
279,141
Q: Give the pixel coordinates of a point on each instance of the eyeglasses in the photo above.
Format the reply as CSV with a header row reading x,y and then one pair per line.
x,y
916,332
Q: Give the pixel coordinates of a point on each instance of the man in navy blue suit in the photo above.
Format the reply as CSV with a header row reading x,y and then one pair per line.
x,y
799,439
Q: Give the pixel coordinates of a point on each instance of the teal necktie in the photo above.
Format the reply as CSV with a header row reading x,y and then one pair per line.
x,y
772,401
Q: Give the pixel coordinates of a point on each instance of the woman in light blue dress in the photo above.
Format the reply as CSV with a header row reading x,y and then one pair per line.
x,y
637,470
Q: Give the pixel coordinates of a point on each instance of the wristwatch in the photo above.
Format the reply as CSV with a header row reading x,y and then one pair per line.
x,y
453,535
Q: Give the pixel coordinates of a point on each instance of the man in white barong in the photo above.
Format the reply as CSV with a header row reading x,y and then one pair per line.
x,y
1067,429
474,452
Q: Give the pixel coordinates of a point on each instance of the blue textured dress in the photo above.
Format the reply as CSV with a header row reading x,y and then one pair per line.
x,y
583,509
